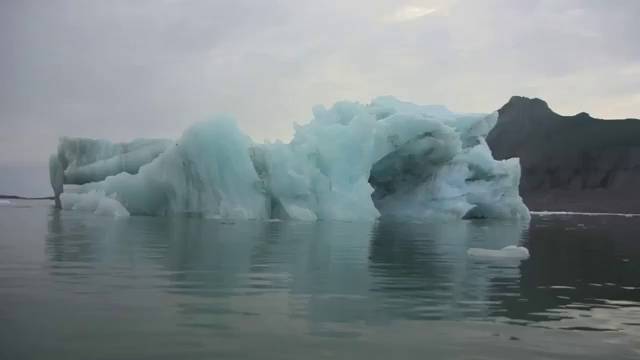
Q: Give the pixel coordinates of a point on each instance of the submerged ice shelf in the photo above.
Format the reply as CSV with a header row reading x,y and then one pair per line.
x,y
351,162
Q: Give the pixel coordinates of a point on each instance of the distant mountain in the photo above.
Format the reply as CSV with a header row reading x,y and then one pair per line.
x,y
572,163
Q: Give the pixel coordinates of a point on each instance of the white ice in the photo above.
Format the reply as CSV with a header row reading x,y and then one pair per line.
x,y
507,252
351,162
80,160
94,201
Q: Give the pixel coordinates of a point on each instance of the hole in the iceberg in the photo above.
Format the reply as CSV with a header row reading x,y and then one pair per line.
x,y
475,213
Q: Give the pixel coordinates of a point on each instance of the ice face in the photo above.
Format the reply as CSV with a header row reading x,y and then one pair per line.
x,y
208,172
323,173
94,201
351,162
79,160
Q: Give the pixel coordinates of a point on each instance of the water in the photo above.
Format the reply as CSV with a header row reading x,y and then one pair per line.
x,y
78,286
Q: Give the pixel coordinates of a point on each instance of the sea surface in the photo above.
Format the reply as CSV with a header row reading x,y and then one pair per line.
x,y
75,285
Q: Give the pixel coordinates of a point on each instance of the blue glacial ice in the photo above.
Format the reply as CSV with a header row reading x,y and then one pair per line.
x,y
352,162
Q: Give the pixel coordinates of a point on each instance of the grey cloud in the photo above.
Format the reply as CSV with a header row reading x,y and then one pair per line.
x,y
124,69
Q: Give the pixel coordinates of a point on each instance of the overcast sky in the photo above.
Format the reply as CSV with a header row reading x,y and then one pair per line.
x,y
148,68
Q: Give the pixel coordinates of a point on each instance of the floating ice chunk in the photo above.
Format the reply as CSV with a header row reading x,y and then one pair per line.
x,y
4,202
507,252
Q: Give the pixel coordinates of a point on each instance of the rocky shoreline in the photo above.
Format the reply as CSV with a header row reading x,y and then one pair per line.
x,y
570,163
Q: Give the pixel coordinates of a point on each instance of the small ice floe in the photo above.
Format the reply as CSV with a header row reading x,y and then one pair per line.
x,y
4,202
507,252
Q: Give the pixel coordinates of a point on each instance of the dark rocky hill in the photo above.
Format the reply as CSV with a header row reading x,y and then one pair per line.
x,y
570,163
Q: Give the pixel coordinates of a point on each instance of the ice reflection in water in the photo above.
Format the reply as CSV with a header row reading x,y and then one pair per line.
x,y
202,287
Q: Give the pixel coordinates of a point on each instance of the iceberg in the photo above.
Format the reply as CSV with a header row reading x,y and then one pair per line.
x,y
352,162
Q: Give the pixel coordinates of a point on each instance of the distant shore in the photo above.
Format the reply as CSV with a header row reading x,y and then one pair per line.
x,y
16,197
570,163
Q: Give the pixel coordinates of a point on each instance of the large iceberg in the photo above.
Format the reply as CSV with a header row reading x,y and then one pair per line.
x,y
351,162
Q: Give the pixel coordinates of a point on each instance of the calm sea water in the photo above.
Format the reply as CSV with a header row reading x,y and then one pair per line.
x,y
78,286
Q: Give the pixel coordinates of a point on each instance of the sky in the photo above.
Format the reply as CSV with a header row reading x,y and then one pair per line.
x,y
149,68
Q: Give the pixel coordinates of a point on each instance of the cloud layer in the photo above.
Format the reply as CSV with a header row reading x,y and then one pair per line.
x,y
124,69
